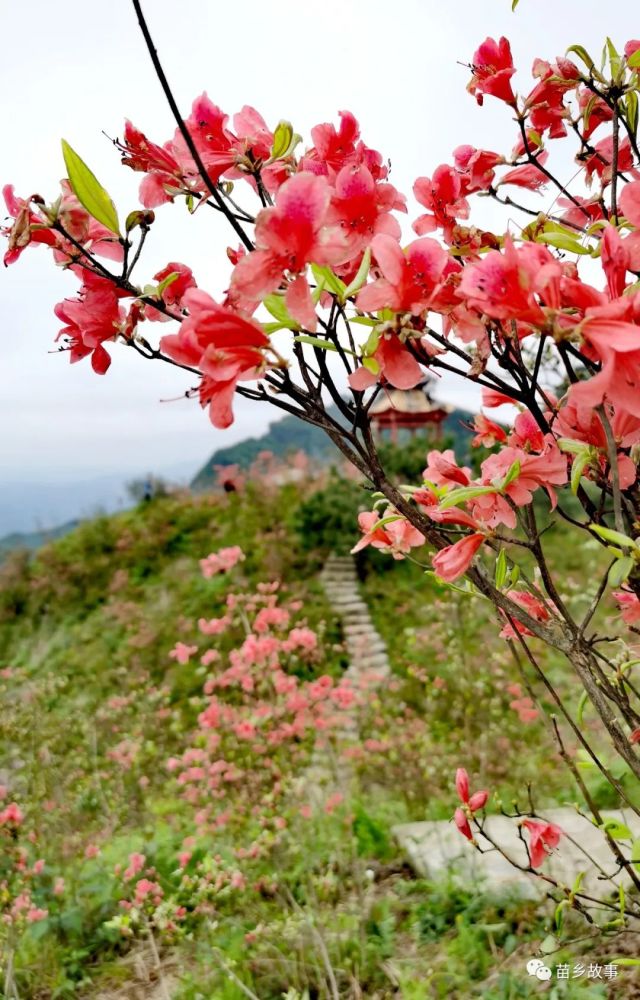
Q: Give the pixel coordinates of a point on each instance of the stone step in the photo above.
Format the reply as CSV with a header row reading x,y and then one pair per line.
x,y
376,662
369,641
342,603
435,849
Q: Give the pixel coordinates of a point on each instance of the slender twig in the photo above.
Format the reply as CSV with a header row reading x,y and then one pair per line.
x,y
186,135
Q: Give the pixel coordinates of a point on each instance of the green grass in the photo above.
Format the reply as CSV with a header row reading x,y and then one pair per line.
x,y
86,626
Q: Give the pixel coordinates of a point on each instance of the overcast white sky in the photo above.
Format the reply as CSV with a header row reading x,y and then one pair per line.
x,y
73,68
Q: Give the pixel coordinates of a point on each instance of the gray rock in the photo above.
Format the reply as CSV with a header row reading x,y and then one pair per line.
x,y
435,849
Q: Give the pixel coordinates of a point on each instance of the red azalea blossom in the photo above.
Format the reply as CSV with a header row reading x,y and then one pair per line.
x,y
225,346
454,560
492,67
289,236
629,605
470,803
410,278
362,208
92,318
443,196
397,537
543,839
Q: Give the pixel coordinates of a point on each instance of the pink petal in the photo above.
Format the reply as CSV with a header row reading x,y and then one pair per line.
x,y
300,304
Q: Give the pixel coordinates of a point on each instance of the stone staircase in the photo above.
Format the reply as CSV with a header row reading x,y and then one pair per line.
x,y
367,652
368,659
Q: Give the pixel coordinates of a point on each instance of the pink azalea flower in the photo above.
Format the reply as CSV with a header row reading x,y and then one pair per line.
x,y
136,864
11,814
220,562
545,104
599,162
492,67
398,537
629,605
617,345
470,803
476,167
443,196
396,364
410,278
461,820
488,433
164,174
182,653
224,345
543,839
454,560
532,605
504,283
362,208
443,470
527,176
492,399
91,319
173,293
26,228
289,236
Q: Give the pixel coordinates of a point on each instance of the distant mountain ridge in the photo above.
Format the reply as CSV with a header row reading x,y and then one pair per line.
x,y
34,539
291,434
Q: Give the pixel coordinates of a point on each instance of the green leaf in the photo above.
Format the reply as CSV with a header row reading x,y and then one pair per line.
x,y
582,704
616,537
624,961
632,108
514,4
501,569
324,345
275,305
579,465
615,60
282,138
617,830
590,105
89,191
384,521
363,320
620,571
371,365
577,883
512,473
559,914
361,275
582,53
371,345
635,852
170,278
571,446
332,282
456,497
562,242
